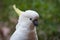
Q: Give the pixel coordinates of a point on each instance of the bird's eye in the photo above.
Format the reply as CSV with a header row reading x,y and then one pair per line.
x,y
30,18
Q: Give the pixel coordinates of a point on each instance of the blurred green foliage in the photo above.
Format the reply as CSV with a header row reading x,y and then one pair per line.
x,y
49,11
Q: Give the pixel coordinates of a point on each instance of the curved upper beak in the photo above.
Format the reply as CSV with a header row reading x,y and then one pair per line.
x,y
35,22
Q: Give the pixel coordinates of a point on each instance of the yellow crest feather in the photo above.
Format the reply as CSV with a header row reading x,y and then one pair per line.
x,y
17,10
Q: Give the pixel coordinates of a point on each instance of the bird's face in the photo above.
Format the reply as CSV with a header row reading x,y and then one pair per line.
x,y
30,15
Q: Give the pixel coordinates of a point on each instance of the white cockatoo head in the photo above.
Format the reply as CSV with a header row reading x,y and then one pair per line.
x,y
28,16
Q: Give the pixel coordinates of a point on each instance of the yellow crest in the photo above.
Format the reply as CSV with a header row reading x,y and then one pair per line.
x,y
17,10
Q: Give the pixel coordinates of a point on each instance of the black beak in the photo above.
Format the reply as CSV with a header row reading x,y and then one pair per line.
x,y
35,22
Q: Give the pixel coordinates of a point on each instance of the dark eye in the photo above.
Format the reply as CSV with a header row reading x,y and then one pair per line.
x,y
30,18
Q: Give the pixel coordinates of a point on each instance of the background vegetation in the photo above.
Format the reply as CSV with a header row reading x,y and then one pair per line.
x,y
49,11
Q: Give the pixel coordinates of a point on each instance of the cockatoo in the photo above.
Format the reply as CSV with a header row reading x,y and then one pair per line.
x,y
26,26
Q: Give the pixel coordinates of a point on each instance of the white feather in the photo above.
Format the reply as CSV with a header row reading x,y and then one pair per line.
x,y
23,27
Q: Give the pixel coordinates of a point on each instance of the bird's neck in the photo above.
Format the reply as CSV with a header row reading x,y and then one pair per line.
x,y
25,25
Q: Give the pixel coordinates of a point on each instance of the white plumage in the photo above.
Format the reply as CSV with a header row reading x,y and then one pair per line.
x,y
25,29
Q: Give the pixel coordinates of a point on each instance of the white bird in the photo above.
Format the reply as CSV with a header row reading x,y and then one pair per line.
x,y
26,26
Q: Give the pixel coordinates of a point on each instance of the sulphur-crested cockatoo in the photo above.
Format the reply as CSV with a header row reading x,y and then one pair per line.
x,y
26,26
